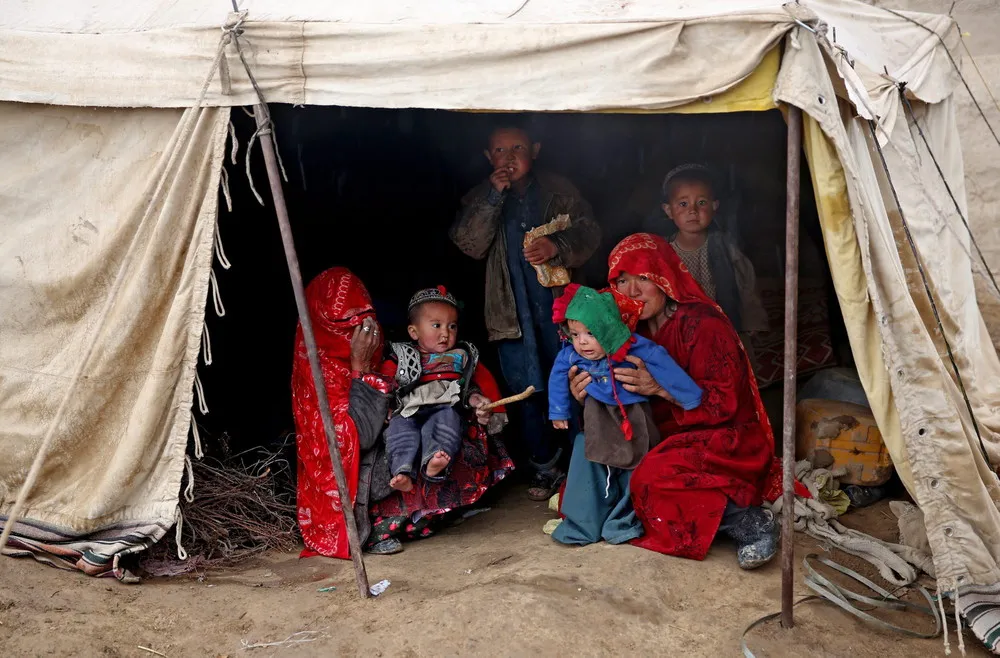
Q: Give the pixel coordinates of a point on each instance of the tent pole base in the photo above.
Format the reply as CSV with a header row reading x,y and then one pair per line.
x,y
281,210
792,179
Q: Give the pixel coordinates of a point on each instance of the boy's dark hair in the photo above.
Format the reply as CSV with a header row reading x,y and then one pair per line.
x,y
689,173
512,126
428,296
414,313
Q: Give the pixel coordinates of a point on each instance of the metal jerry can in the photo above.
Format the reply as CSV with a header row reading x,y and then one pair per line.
x,y
833,434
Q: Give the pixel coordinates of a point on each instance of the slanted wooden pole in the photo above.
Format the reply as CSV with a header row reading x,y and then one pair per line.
x,y
274,178
792,178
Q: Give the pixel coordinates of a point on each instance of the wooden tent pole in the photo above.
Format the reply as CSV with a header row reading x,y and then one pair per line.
x,y
792,179
270,159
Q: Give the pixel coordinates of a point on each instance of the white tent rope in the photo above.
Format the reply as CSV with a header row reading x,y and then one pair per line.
x,y
220,310
958,625
178,527
944,618
202,406
206,344
224,183
198,452
220,253
189,489
267,128
236,143
277,152
256,194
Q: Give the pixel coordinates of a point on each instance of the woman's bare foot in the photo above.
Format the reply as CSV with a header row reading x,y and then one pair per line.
x,y
401,482
437,463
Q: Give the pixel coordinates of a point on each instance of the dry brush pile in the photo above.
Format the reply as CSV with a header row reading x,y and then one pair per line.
x,y
243,505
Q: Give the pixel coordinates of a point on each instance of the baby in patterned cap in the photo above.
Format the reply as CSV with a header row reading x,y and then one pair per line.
x,y
434,374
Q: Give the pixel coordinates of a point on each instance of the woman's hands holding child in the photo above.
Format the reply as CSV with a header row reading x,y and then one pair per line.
x,y
364,342
578,382
477,401
639,380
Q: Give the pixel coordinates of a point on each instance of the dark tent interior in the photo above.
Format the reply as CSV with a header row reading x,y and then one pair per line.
x,y
375,190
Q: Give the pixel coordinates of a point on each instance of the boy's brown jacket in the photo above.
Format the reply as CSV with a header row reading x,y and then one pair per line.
x,y
479,233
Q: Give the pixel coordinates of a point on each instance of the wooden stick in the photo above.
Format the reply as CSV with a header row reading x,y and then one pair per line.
x,y
273,177
792,178
523,395
153,651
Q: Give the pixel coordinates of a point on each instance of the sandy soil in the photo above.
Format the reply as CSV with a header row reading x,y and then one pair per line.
x,y
494,585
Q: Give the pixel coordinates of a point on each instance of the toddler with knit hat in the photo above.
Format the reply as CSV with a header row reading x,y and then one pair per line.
x,y
618,424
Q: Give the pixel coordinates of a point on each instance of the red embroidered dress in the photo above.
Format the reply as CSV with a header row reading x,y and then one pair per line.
x,y
724,448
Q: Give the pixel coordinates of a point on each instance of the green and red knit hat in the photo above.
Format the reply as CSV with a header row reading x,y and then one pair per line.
x,y
600,313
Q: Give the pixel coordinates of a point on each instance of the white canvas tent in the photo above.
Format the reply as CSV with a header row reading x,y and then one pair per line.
x,y
113,148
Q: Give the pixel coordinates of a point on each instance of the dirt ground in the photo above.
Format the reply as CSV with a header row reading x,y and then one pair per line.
x,y
493,585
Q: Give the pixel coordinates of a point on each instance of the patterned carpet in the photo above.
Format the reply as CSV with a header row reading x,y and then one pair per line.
x,y
815,347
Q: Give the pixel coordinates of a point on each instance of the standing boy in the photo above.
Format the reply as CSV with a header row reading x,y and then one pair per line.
x,y
492,223
720,268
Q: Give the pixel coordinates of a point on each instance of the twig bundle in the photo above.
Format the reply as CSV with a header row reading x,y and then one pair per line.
x,y
240,509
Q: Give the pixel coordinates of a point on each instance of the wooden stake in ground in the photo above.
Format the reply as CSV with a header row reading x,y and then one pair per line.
x,y
792,180
270,159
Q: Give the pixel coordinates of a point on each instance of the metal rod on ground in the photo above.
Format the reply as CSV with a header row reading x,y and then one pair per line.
x,y
274,178
792,178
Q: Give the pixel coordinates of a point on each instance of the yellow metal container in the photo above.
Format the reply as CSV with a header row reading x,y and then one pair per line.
x,y
833,434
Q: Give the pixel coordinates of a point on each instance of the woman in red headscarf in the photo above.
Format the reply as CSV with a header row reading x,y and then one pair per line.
x,y
708,472
350,350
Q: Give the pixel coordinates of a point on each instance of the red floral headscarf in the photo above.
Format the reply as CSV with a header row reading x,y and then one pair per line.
x,y
648,255
651,256
338,303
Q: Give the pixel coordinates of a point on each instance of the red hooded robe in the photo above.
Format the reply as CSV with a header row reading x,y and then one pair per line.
x,y
723,449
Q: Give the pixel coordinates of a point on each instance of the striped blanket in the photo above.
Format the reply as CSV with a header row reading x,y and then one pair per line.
x,y
96,554
979,606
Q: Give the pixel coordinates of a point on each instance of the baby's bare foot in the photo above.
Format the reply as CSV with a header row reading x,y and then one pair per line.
x,y
437,463
401,482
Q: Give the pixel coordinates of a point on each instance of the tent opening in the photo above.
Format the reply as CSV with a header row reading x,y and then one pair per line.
x,y
375,190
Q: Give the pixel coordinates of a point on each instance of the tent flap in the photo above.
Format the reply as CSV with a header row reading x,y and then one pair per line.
x,y
90,197
946,473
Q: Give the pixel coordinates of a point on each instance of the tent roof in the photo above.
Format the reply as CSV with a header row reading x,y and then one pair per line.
x,y
629,55
103,17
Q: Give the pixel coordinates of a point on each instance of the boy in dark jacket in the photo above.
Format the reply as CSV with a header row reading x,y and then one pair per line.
x,y
492,224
